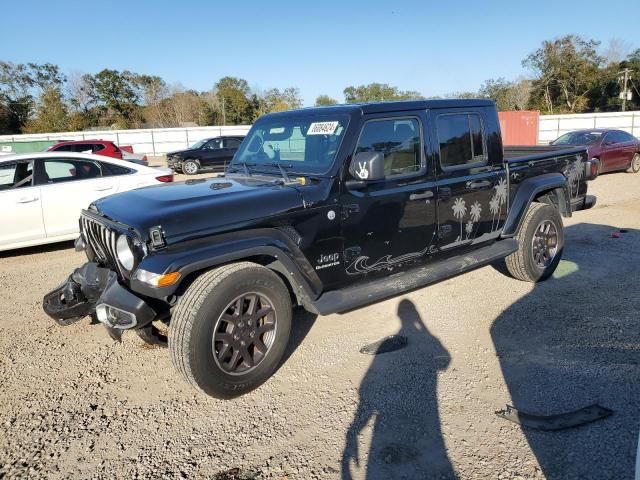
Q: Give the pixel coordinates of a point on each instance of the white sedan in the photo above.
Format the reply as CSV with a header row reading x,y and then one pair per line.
x,y
41,194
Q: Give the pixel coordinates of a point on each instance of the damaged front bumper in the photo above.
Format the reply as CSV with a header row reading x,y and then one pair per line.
x,y
93,289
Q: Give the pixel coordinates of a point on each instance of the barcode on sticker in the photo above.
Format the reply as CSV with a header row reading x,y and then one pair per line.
x,y
322,128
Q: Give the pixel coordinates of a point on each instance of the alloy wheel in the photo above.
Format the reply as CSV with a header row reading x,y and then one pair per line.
x,y
544,244
244,333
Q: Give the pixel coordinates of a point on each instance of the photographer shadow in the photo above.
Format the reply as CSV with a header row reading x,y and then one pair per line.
x,y
398,410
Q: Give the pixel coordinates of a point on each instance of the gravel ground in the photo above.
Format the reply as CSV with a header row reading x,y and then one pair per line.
x,y
74,404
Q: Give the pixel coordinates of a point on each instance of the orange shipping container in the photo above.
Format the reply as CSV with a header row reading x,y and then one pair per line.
x,y
519,127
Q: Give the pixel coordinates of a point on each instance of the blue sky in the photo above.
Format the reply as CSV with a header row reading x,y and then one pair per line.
x,y
317,46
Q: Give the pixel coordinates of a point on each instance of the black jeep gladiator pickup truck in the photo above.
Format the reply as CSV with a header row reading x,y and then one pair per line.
x,y
326,208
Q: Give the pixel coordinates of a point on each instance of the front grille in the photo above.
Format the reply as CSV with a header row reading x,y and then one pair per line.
x,y
102,241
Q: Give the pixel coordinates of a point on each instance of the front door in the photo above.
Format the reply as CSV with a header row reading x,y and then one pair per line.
x,y
472,188
390,225
21,212
213,154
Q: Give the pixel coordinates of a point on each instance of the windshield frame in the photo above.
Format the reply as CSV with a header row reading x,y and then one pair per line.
x,y
291,166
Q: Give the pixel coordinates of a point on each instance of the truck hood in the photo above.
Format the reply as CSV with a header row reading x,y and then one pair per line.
x,y
201,207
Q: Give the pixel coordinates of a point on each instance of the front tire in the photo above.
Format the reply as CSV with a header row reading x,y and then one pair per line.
x,y
230,329
190,167
634,167
540,244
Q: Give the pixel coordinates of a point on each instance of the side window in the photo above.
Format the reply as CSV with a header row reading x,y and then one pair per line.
x,y
399,139
461,139
16,175
214,144
63,148
109,169
66,170
231,143
97,147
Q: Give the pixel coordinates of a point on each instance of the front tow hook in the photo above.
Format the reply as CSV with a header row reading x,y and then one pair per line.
x,y
76,297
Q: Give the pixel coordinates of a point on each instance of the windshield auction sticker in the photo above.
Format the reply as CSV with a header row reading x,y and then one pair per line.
x,y
322,128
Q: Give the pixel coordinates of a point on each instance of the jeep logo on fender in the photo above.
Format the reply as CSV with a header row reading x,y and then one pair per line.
x,y
330,260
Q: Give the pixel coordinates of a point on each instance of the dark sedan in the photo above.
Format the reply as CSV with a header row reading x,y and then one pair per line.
x,y
614,149
208,154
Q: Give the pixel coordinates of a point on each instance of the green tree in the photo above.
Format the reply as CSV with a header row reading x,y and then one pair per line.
x,y
565,70
507,95
51,113
20,86
377,92
325,100
233,94
118,93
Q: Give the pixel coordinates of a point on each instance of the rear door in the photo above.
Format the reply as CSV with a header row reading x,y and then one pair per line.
x,y
230,148
472,190
68,185
21,212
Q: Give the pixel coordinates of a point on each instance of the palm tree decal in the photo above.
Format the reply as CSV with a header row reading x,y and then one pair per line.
x,y
468,228
574,174
459,211
494,206
498,199
474,213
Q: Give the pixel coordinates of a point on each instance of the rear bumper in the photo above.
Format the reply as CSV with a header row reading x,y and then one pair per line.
x,y
92,289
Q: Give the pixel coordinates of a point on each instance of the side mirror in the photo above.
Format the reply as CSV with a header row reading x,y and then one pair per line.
x,y
367,166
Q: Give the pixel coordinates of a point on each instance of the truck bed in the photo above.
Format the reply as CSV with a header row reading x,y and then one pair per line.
x,y
537,152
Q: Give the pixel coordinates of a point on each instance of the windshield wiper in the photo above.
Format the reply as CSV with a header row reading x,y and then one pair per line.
x,y
245,167
283,172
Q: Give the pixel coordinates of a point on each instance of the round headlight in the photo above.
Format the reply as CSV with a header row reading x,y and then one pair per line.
x,y
124,252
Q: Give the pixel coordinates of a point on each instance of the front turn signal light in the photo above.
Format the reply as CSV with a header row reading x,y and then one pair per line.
x,y
157,279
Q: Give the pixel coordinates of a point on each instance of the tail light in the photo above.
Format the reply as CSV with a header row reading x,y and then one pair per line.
x,y
165,178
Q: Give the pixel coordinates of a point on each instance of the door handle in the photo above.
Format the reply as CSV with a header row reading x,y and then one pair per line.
x,y
102,188
27,199
421,196
478,185
444,193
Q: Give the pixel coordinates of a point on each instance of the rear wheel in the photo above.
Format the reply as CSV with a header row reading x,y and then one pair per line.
x,y
230,329
540,244
634,167
190,167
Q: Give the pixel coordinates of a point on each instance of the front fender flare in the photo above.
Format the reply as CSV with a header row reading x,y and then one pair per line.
x,y
528,190
281,250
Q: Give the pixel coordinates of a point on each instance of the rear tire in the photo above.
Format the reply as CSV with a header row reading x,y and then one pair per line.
x,y
190,167
540,244
230,329
634,167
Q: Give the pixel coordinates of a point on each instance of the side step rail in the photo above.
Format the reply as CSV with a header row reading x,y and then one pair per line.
x,y
375,290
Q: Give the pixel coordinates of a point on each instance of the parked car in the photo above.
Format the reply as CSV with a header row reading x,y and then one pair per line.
x,y
208,154
42,194
613,149
129,156
326,208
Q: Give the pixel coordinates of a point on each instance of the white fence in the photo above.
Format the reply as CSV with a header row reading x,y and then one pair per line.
x,y
157,141
552,126
152,141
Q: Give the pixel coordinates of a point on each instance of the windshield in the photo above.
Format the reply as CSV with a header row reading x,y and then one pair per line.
x,y
198,144
578,138
304,143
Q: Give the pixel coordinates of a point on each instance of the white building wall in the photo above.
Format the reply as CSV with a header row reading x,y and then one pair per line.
x,y
152,141
158,141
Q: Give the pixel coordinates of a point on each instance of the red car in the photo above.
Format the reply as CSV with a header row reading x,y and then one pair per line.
x,y
100,147
614,149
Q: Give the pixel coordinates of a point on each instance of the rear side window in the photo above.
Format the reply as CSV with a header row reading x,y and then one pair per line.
x,y
109,169
66,170
398,139
461,139
97,147
231,143
16,175
63,148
